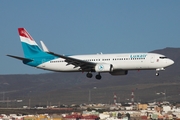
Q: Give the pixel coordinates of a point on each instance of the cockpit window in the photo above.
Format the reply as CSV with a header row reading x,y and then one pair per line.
x,y
162,57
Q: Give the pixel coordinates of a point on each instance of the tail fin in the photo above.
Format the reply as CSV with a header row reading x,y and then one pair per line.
x,y
30,47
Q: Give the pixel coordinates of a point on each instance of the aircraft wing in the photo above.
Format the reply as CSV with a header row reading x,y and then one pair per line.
x,y
84,65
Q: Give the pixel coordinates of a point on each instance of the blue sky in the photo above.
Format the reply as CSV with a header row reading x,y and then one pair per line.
x,y
87,27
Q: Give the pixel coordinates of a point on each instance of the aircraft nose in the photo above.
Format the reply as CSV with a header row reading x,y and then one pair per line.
x,y
170,62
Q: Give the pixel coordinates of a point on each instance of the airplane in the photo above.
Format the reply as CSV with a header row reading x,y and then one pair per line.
x,y
115,64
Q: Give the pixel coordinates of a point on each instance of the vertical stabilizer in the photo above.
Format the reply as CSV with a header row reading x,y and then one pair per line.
x,y
30,47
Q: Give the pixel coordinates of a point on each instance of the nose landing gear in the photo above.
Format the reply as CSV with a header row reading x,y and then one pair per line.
x,y
157,74
159,69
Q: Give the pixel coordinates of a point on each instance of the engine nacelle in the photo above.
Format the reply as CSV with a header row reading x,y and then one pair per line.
x,y
119,72
104,67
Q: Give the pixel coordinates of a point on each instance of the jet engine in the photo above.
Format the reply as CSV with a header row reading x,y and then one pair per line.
x,y
104,67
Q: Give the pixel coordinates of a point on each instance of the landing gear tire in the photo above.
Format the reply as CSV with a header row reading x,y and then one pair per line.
x,y
89,75
98,77
157,74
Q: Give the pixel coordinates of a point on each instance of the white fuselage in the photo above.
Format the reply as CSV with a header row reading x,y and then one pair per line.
x,y
129,61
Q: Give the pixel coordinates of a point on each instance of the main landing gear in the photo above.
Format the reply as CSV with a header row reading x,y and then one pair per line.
x,y
89,75
98,76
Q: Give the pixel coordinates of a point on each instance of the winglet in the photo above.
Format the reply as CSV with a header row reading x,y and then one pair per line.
x,y
45,49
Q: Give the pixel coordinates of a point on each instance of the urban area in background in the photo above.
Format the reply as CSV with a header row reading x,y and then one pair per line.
x,y
129,110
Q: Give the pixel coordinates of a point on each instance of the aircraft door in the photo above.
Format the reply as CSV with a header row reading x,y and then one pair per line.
x,y
152,59
43,61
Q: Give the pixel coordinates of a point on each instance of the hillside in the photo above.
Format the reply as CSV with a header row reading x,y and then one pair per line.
x,y
67,88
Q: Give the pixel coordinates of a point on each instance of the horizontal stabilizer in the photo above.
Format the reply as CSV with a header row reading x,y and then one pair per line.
x,y
19,58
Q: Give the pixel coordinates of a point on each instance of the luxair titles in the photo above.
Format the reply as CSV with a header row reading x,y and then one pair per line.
x,y
138,56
